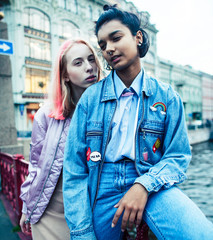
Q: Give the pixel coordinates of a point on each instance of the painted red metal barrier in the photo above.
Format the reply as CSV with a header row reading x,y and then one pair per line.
x,y
14,170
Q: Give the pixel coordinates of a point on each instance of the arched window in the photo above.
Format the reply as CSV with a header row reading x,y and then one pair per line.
x,y
37,50
68,30
36,19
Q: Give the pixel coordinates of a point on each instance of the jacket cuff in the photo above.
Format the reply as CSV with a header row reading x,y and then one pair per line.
x,y
154,183
149,182
85,234
24,208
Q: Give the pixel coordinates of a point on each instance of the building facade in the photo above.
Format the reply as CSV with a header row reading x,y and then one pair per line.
x,y
38,27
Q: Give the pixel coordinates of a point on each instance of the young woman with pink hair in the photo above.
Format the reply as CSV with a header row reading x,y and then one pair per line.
x,y
76,68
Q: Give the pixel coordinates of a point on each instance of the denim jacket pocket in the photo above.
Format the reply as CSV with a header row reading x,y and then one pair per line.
x,y
151,141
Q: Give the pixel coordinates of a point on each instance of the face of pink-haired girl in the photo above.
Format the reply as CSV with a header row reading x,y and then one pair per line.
x,y
82,70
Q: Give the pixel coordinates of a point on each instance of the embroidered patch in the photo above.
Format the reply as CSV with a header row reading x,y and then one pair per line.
x,y
145,154
161,105
156,145
88,154
95,156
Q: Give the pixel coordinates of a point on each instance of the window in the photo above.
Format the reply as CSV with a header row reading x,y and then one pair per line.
x,y
38,49
36,19
37,81
68,30
90,13
70,5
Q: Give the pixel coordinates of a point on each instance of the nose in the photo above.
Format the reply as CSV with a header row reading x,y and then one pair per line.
x,y
89,67
110,49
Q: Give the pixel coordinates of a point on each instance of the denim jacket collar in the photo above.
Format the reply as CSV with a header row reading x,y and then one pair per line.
x,y
109,88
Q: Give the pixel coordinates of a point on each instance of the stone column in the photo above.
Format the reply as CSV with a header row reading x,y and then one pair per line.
x,y
8,132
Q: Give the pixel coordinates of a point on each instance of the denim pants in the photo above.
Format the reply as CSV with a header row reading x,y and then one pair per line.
x,y
169,213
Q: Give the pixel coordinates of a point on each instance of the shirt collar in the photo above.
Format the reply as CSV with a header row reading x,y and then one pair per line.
x,y
136,84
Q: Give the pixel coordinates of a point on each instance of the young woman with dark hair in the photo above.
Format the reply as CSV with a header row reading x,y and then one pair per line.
x,y
127,147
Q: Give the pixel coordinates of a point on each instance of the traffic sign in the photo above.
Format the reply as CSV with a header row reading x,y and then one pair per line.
x,y
6,47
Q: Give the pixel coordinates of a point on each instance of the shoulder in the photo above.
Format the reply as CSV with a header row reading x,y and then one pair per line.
x,y
164,89
93,93
41,116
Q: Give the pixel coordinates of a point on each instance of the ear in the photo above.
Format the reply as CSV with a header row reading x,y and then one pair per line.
x,y
139,37
66,78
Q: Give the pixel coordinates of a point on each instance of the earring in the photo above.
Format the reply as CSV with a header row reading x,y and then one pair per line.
x,y
139,44
108,67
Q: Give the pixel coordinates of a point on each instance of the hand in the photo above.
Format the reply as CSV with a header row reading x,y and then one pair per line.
x,y
133,204
25,227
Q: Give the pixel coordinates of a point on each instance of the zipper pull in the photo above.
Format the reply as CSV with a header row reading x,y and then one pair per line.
x,y
144,134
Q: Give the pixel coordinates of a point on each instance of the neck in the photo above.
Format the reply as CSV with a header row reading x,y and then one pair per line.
x,y
128,74
76,93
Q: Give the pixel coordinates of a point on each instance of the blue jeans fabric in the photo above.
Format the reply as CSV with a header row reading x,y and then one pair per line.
x,y
169,213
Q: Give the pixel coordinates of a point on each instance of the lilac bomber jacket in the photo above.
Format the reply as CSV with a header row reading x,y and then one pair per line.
x,y
46,161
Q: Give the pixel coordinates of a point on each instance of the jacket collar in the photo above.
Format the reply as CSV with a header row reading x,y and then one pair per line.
x,y
109,88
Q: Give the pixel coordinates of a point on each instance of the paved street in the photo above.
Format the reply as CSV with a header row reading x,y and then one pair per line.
x,y
6,227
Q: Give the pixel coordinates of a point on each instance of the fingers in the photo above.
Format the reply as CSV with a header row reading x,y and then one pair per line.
x,y
117,215
118,204
132,218
27,227
139,217
126,218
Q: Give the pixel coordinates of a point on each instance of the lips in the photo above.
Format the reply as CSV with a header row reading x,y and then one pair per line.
x,y
91,78
115,58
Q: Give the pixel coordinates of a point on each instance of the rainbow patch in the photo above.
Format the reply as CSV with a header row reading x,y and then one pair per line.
x,y
161,105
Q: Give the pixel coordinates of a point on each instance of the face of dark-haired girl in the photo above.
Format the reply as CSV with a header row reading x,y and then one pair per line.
x,y
118,45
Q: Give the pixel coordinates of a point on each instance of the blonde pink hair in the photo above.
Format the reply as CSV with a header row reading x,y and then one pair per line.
x,y
61,99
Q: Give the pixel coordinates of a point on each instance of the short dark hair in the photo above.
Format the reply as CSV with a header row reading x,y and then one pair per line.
x,y
127,18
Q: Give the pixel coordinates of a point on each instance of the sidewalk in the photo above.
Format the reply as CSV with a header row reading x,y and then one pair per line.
x,y
8,222
6,226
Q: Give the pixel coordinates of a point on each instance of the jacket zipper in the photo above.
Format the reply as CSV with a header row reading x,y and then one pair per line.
x,y
137,134
97,133
28,220
102,162
144,130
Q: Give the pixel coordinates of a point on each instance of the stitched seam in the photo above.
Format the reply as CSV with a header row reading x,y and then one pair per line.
x,y
148,216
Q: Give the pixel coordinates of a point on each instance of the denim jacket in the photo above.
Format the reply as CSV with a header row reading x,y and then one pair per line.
x,y
162,148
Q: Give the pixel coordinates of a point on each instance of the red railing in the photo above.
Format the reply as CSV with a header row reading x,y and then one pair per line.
x,y
13,169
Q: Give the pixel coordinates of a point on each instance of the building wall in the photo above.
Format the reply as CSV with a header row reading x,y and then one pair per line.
x,y
207,97
188,83
38,27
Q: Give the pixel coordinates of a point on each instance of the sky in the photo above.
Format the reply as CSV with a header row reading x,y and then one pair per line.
x,y
185,30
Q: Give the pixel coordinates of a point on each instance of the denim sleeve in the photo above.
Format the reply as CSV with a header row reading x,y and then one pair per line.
x,y
176,156
78,212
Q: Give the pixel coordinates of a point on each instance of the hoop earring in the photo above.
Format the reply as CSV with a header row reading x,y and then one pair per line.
x,y
108,67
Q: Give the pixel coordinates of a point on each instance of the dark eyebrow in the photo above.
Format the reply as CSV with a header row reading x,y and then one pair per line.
x,y
91,55
77,59
110,35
